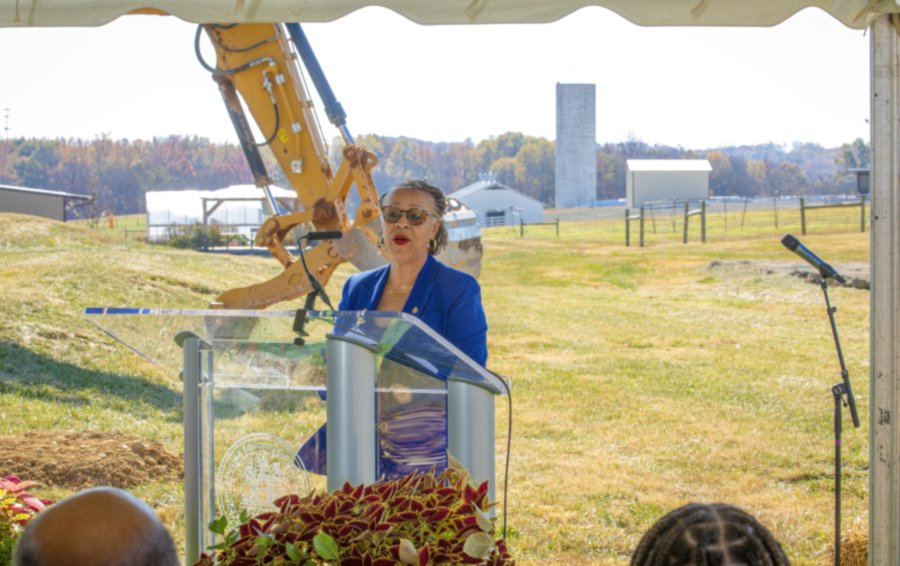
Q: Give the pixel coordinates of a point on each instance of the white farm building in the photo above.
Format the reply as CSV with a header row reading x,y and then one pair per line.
x,y
238,209
498,205
653,180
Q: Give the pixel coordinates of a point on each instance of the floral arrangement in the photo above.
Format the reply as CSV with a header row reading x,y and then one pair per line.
x,y
17,507
420,519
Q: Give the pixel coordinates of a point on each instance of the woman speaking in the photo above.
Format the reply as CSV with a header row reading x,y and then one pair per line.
x,y
414,282
412,428
412,407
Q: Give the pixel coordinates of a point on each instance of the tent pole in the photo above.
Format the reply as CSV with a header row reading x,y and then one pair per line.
x,y
884,480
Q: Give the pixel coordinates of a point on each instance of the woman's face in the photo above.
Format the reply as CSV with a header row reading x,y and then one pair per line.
x,y
405,240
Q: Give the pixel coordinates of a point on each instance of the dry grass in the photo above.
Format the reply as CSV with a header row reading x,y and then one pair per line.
x,y
854,545
642,378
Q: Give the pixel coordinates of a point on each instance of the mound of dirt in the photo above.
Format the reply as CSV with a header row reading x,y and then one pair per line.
x,y
856,274
85,459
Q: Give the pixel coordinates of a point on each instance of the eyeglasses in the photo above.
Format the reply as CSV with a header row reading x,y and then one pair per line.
x,y
416,216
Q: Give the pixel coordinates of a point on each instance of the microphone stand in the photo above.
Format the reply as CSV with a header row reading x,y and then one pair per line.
x,y
838,391
316,289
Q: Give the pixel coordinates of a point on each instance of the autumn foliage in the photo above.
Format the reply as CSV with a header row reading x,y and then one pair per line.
x,y
119,172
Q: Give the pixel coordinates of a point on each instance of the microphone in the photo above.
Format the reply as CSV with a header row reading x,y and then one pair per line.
x,y
793,244
328,235
316,288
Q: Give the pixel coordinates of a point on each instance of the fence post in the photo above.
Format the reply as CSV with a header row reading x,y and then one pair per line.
x,y
803,216
627,228
703,221
744,214
775,209
686,206
642,226
557,225
862,214
521,228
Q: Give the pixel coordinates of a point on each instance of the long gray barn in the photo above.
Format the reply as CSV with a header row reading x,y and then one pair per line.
x,y
38,202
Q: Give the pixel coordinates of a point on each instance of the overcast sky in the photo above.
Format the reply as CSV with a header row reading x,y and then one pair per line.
x,y
805,80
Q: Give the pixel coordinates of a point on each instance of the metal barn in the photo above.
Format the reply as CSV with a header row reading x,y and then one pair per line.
x,y
38,202
652,180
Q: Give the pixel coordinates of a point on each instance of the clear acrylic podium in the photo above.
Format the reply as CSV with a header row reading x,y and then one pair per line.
x,y
395,394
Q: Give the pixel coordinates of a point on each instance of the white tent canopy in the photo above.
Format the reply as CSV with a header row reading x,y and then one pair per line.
x,y
884,461
853,13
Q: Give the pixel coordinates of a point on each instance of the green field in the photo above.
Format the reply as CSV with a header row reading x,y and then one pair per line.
x,y
642,378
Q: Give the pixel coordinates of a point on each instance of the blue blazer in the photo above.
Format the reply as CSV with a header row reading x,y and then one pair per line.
x,y
446,299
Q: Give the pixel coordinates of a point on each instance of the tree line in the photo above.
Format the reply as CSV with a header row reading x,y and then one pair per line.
x,y
119,172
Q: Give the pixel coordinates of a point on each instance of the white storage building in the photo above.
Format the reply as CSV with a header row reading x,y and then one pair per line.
x,y
650,180
238,209
498,205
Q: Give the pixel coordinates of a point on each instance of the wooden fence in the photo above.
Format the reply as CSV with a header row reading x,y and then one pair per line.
x,y
523,224
861,204
640,217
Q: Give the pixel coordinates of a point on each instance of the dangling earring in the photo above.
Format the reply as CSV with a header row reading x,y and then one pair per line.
x,y
381,242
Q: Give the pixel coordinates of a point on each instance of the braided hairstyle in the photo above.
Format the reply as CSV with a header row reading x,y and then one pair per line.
x,y
717,534
441,238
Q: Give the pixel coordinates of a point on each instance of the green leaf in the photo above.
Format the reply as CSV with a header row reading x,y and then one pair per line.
x,y
264,541
218,525
291,550
478,545
326,547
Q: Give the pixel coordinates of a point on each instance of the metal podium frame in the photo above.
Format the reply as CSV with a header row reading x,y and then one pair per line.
x,y
354,345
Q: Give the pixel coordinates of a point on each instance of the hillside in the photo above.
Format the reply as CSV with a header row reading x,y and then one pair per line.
x,y
643,378
51,272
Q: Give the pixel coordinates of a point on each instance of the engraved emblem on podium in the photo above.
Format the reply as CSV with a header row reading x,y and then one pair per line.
x,y
255,471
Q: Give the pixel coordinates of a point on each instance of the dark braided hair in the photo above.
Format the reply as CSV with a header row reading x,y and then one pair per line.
x,y
441,238
717,534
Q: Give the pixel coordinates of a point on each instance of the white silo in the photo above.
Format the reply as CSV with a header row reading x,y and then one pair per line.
x,y
576,152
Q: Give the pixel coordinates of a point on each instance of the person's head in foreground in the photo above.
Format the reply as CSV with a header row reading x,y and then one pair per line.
x,y
101,526
714,534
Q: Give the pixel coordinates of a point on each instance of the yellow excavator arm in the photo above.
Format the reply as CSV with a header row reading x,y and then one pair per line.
x,y
258,64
